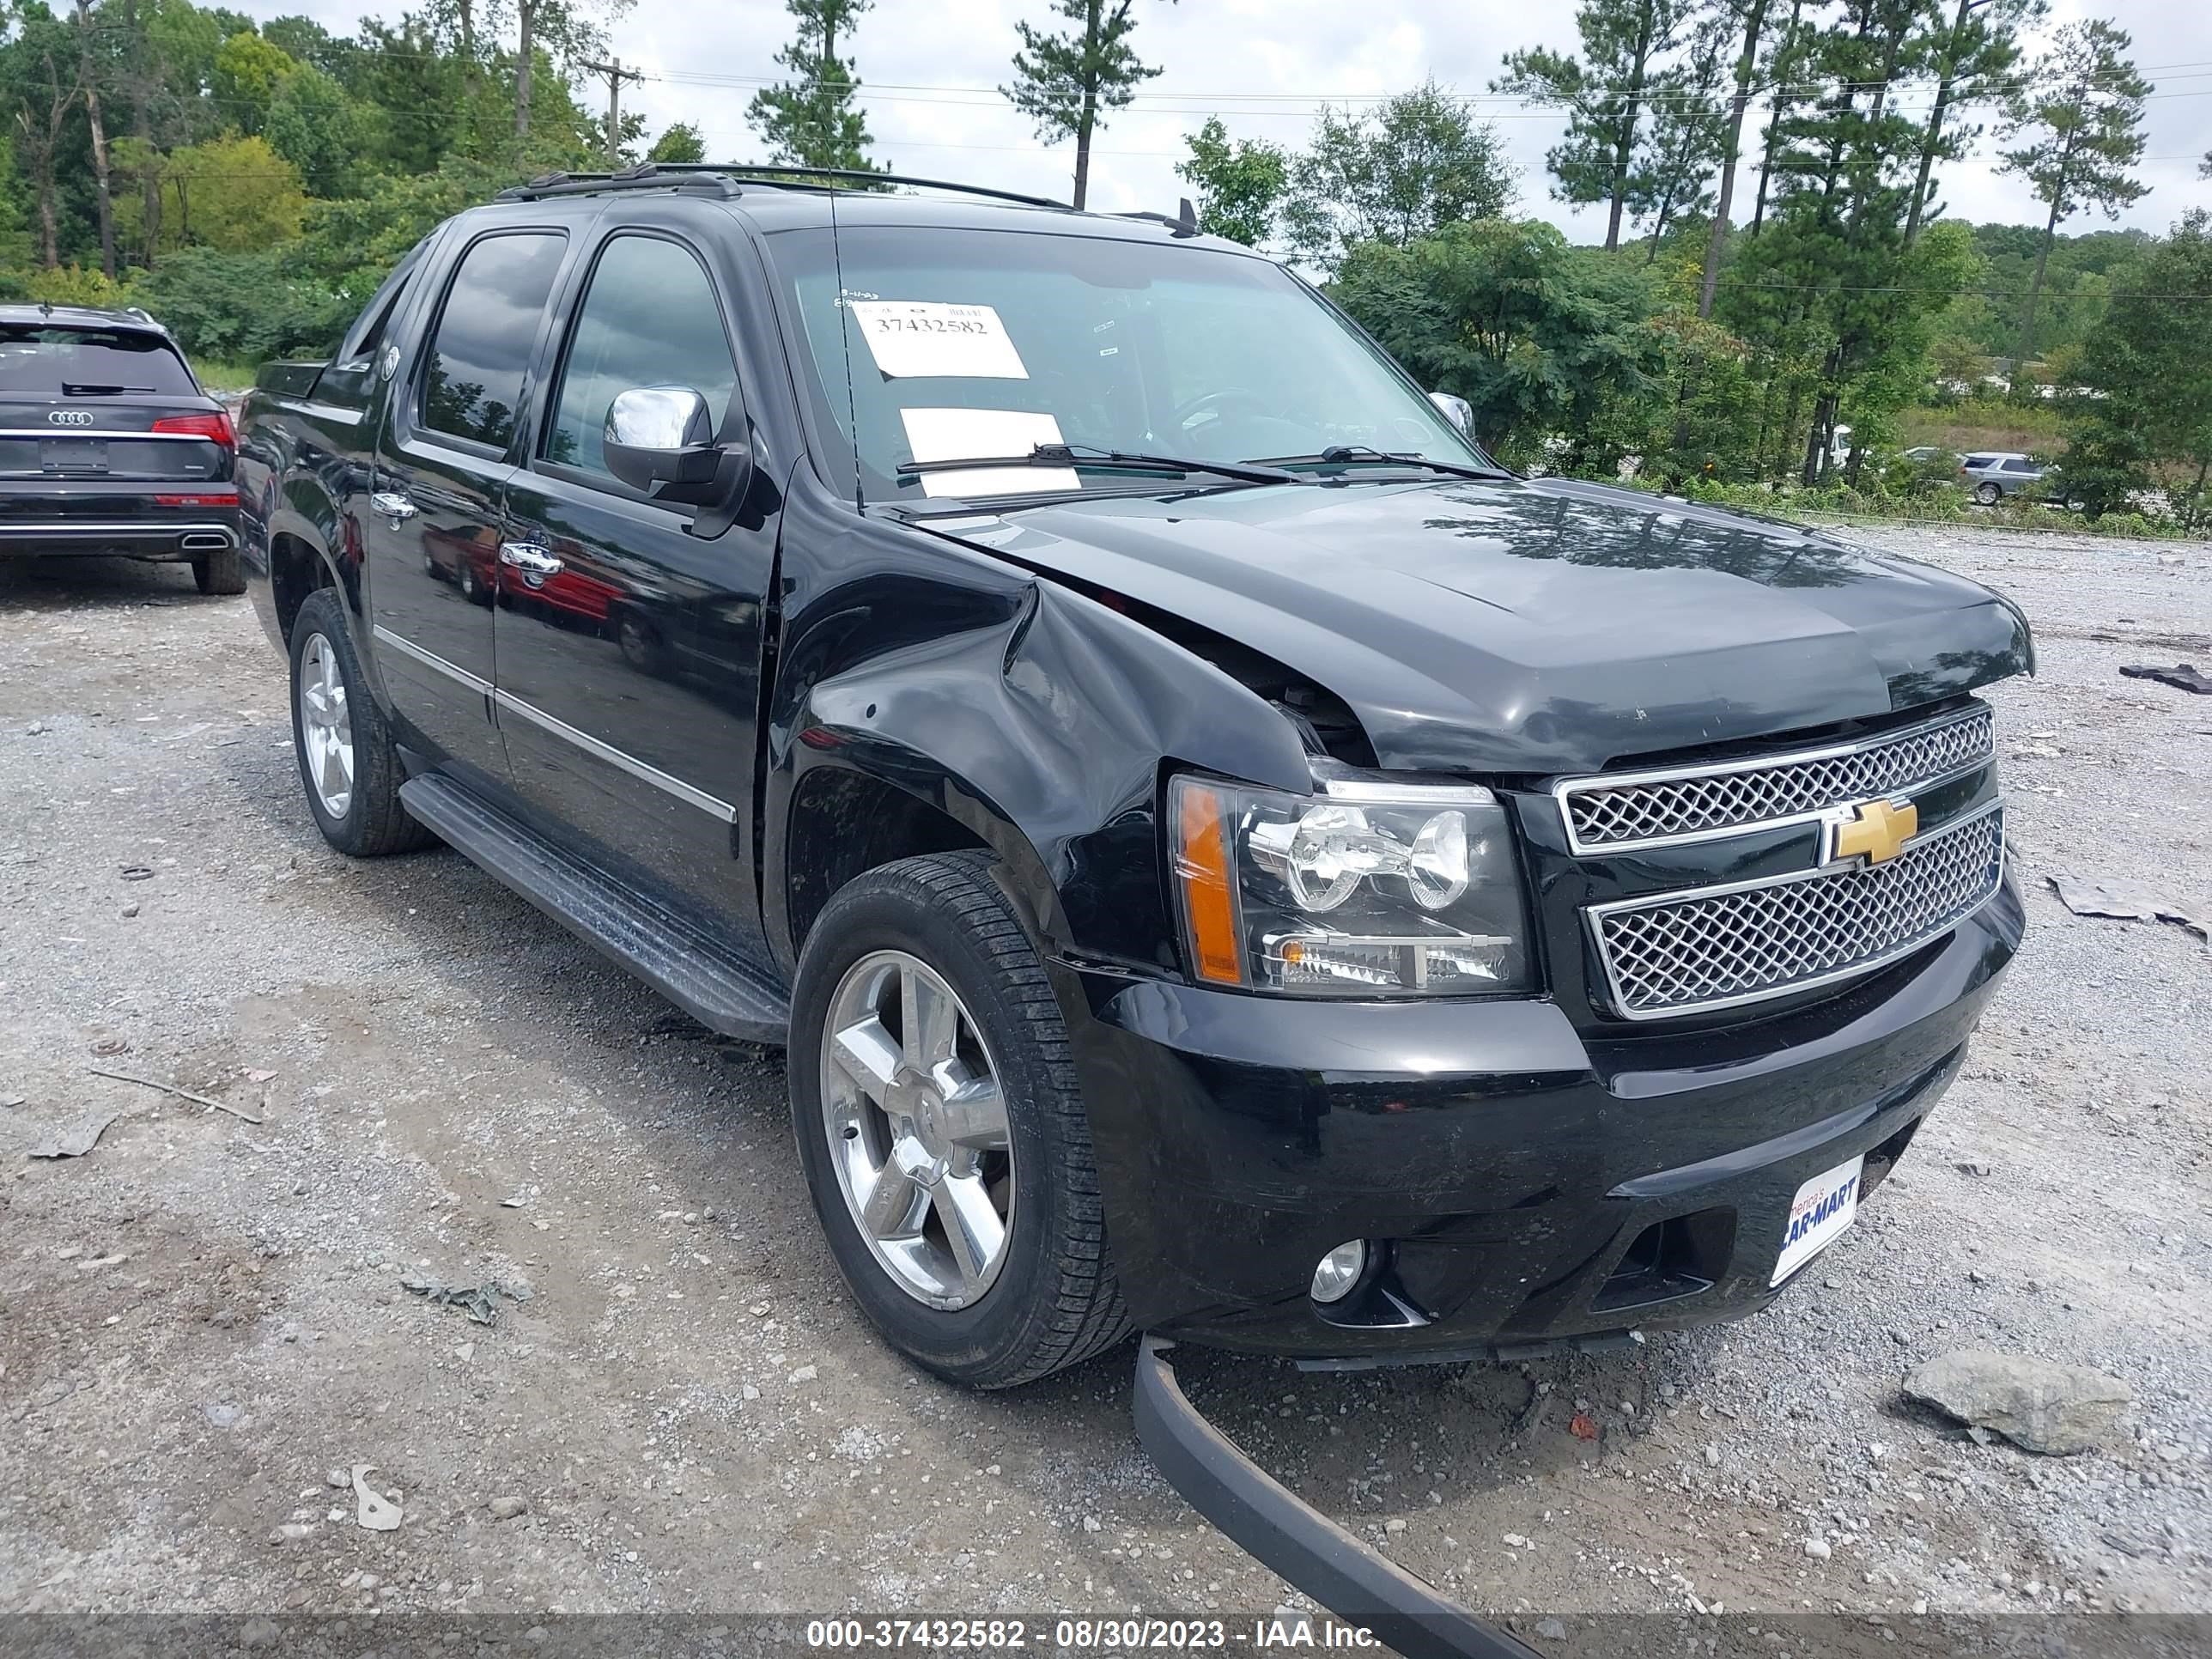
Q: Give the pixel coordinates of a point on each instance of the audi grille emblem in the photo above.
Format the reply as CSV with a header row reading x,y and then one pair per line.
x,y
70,416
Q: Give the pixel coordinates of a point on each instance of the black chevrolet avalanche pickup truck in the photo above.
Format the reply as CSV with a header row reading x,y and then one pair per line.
x,y
1225,858
109,445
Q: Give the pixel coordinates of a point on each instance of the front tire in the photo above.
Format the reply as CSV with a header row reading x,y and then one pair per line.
x,y
349,766
218,573
942,1131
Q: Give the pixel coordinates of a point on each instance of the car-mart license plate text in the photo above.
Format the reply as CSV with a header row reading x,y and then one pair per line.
x,y
1824,1207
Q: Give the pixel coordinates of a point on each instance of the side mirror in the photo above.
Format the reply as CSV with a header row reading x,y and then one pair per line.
x,y
1457,410
660,439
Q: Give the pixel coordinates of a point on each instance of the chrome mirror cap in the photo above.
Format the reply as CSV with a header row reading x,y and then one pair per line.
x,y
666,417
660,439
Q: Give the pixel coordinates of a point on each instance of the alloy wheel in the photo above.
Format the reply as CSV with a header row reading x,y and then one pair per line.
x,y
325,728
916,1122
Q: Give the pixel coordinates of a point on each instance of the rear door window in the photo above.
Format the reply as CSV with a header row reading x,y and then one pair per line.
x,y
485,335
367,331
2020,466
37,360
648,318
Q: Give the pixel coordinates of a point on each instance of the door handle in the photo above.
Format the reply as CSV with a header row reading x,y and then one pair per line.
x,y
529,558
397,508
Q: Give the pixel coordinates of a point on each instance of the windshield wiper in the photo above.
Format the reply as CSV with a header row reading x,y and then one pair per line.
x,y
1083,455
74,389
1366,455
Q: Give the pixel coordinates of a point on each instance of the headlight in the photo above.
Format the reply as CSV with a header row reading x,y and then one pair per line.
x,y
1369,889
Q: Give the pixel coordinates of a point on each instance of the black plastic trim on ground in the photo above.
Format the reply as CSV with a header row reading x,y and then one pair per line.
x,y
1289,1536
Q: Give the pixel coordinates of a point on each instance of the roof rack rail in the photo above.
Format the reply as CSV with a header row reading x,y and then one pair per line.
x,y
646,175
1184,223
719,178
798,177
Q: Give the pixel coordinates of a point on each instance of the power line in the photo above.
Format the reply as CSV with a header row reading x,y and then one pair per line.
x,y
616,75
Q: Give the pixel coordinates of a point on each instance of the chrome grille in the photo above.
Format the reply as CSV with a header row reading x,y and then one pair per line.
x,y
1715,947
1605,813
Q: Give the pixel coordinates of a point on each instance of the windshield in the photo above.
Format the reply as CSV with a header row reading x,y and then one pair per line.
x,y
975,344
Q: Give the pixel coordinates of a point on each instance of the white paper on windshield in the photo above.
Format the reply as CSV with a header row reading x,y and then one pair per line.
x,y
956,435
908,337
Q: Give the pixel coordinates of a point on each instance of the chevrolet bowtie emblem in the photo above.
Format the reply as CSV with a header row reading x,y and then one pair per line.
x,y
1876,830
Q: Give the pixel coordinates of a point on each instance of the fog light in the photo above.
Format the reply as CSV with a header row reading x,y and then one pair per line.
x,y
1339,1270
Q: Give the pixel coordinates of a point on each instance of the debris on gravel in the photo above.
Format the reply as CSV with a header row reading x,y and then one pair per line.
x,y
374,1510
479,1300
2127,900
2057,1410
76,1137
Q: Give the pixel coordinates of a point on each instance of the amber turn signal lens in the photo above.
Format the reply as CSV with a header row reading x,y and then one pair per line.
x,y
1208,900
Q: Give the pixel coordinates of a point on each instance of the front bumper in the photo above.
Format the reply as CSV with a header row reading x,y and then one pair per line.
x,y
1531,1183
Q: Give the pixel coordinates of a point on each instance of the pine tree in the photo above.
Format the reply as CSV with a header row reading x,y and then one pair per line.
x,y
1783,62
2081,109
809,121
1671,176
1606,93
1066,82
1754,15
1982,44
1831,284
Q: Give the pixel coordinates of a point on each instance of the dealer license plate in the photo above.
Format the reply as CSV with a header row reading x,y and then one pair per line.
x,y
1824,1207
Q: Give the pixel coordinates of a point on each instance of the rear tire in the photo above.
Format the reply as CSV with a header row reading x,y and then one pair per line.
x,y
219,572
1988,494
1050,1298
355,804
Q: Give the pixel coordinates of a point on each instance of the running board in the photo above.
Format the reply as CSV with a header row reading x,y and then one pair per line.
x,y
714,985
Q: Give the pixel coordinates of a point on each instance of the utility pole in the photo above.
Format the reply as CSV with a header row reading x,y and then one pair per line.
x,y
616,75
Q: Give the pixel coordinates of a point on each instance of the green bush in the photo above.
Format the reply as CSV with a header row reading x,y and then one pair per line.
x,y
66,285
247,307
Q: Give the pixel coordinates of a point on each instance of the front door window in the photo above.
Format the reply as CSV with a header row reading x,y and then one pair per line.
x,y
648,318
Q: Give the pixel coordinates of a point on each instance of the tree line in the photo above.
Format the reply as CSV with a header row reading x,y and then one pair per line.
x,y
1778,281
1778,285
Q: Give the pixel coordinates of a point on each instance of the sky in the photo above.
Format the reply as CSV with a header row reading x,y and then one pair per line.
x,y
929,70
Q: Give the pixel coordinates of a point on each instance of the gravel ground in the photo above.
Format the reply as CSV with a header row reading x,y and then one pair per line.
x,y
204,1315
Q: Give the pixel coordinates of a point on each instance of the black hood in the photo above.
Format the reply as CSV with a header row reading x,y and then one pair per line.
x,y
1546,626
